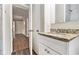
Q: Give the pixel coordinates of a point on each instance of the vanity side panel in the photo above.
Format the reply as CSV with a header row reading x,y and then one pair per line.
x,y
74,46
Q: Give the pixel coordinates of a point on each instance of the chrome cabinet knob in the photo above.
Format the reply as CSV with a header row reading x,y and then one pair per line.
x,y
48,51
45,49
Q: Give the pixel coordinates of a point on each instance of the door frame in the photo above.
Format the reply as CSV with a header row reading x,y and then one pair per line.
x,y
7,29
30,27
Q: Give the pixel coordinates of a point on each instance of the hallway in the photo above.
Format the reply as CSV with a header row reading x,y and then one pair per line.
x,y
20,45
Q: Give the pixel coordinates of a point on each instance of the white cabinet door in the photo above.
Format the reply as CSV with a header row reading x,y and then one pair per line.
x,y
57,45
44,50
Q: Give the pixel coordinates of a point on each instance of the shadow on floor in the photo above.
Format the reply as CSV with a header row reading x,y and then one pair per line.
x,y
34,53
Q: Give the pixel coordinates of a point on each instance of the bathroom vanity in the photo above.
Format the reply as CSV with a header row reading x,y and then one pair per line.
x,y
63,19
58,44
63,42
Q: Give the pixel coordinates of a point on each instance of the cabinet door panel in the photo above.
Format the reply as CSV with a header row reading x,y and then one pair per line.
x,y
44,50
59,46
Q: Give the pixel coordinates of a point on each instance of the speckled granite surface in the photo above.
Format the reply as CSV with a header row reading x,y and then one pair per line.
x,y
66,37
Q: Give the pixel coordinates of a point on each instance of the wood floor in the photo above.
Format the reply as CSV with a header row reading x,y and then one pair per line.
x,y
20,45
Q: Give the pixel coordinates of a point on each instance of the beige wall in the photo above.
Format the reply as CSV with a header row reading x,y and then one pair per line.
x,y
68,25
42,18
27,24
19,27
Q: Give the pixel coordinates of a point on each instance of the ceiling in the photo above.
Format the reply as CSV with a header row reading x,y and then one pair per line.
x,y
20,12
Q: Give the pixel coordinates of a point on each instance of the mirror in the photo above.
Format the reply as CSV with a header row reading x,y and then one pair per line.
x,y
72,12
66,13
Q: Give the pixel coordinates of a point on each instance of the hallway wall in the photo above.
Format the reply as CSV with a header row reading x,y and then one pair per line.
x,y
19,27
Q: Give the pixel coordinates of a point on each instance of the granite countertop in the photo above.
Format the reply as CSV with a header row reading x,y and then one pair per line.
x,y
66,37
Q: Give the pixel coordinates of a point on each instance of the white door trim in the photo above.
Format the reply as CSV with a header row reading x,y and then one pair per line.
x,y
30,28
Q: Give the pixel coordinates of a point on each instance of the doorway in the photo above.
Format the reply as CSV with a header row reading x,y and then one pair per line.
x,y
20,26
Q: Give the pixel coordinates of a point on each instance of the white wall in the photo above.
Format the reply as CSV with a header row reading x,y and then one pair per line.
x,y
36,24
1,30
19,27
7,29
59,13
52,13
49,16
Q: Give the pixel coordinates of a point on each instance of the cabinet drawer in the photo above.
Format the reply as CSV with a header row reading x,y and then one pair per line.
x,y
59,46
44,50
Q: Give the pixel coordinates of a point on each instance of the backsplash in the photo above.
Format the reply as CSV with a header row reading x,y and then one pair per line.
x,y
69,27
65,30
